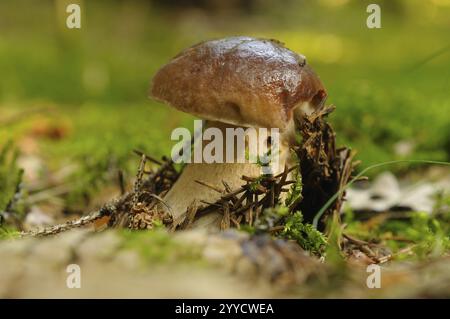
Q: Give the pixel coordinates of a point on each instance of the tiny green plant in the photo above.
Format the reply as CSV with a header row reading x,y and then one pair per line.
x,y
295,192
293,227
6,233
308,237
10,182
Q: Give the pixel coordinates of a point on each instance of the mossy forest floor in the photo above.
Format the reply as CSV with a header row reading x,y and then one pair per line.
x,y
411,247
73,107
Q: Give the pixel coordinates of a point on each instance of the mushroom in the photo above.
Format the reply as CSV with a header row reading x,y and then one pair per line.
x,y
235,82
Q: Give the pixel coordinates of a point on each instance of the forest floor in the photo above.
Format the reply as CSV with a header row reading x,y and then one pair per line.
x,y
73,108
119,263
194,265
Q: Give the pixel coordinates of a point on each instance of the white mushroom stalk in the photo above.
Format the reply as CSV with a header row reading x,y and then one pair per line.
x,y
202,183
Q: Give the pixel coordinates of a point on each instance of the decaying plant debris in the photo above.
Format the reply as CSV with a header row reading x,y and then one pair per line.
x,y
323,170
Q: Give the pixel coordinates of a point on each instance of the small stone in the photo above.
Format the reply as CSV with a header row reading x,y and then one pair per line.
x,y
245,267
222,251
128,260
192,236
99,246
16,246
56,250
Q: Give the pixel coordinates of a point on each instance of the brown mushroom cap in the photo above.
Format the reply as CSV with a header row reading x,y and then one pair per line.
x,y
239,80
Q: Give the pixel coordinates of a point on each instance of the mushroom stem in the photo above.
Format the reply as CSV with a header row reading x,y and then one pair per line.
x,y
187,190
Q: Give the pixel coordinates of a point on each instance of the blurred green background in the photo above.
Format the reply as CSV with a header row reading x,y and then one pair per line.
x,y
390,85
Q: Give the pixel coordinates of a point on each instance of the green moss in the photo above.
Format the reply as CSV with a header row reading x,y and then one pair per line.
x,y
429,234
294,228
158,246
308,237
6,233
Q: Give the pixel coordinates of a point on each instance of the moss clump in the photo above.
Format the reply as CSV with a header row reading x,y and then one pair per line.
x,y
428,234
158,246
6,233
292,228
308,237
